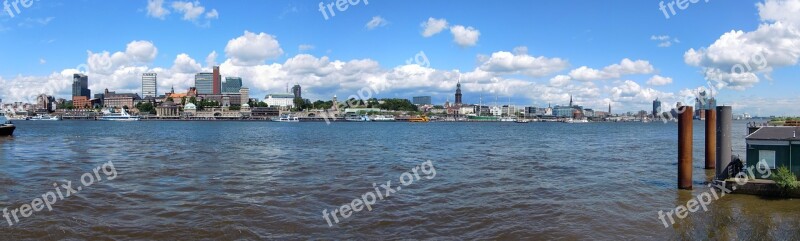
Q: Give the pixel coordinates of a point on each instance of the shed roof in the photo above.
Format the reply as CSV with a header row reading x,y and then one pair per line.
x,y
776,133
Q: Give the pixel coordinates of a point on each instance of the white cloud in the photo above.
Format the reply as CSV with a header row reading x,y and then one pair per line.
x,y
42,61
35,22
658,80
787,11
560,80
376,21
664,41
305,47
632,93
253,49
433,26
508,63
614,71
465,36
211,59
141,51
192,11
155,9
738,58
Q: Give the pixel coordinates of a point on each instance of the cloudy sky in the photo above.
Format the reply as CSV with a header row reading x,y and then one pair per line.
x,y
625,52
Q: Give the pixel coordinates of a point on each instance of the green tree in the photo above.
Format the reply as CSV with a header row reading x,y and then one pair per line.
x,y
785,179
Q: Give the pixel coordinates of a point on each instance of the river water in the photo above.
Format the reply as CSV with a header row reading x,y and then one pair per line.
x,y
264,180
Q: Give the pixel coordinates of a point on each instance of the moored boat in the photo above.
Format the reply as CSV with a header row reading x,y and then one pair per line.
x,y
122,116
45,118
383,118
6,128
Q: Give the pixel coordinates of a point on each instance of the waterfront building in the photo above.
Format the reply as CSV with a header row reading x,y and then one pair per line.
x,y
81,102
229,99
80,86
468,109
216,81
45,103
421,100
149,85
777,145
244,95
189,109
264,112
204,82
364,110
297,91
656,108
280,100
589,113
119,100
167,110
232,85
562,111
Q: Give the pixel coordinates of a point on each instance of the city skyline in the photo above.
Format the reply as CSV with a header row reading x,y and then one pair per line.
x,y
665,55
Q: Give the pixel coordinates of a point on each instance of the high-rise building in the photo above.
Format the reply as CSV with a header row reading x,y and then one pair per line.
x,y
149,85
656,108
458,93
421,100
217,87
297,91
231,85
80,86
244,94
204,82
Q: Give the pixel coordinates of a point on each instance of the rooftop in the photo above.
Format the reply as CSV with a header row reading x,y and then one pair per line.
x,y
779,133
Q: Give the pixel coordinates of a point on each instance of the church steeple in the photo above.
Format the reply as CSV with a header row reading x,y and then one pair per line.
x,y
570,101
458,92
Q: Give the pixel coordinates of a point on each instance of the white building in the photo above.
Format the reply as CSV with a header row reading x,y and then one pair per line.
x,y
280,100
149,85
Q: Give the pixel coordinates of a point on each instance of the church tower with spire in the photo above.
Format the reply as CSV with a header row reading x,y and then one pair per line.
x,y
458,93
570,101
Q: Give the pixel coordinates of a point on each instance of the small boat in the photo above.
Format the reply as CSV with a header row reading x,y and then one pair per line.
x,y
45,118
288,118
419,119
382,118
508,119
122,116
6,128
522,121
357,118
574,121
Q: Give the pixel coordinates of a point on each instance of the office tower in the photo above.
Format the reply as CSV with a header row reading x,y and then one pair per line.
x,y
149,85
204,82
231,85
80,86
297,91
217,81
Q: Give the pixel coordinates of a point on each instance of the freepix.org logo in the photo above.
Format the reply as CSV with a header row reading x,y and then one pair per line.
x,y
13,8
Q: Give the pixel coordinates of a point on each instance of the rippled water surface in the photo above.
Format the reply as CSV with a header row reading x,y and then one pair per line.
x,y
259,180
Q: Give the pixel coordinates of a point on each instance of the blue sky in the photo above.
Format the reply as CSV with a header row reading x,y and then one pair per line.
x,y
47,41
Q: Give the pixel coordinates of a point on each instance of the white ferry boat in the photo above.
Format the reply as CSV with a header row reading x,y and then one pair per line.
x,y
383,118
122,116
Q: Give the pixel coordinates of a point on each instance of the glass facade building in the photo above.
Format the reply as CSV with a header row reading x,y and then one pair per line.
x,y
204,82
231,85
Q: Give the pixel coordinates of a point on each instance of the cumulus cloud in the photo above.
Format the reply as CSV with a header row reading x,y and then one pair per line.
x,y
433,26
664,41
658,80
376,21
211,59
738,59
508,63
631,93
465,36
253,49
625,67
155,9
